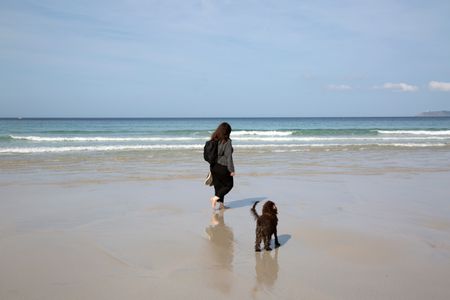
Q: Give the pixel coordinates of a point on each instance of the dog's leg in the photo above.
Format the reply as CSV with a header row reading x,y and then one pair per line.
x,y
267,243
258,240
277,243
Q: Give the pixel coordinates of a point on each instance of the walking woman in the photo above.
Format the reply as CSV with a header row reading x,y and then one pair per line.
x,y
223,170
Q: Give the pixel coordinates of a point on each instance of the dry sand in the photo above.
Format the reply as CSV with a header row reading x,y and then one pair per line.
x,y
383,236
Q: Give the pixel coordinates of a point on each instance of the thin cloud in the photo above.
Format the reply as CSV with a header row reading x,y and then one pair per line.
x,y
338,87
439,86
402,87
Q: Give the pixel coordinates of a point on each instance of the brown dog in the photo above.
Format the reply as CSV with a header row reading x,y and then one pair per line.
x,y
266,225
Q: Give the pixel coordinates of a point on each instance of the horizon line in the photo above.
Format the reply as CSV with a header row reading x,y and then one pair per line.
x,y
262,117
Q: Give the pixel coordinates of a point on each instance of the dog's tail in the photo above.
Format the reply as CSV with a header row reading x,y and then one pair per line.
x,y
253,210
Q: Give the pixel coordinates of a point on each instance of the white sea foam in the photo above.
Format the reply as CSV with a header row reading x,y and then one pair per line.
x,y
102,139
239,138
318,139
25,150
260,133
415,132
344,145
97,148
412,145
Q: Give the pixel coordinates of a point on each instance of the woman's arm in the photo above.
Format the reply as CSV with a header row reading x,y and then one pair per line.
x,y
228,153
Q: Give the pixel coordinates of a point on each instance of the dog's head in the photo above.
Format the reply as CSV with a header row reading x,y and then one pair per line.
x,y
269,208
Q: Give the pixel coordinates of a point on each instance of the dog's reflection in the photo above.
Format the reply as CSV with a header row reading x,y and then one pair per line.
x,y
266,268
221,237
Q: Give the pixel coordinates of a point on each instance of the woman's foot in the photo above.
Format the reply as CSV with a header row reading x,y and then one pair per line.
x,y
214,201
222,206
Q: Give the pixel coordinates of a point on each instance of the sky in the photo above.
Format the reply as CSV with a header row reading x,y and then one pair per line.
x,y
246,58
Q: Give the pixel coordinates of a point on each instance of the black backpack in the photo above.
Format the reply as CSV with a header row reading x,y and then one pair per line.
x,y
210,152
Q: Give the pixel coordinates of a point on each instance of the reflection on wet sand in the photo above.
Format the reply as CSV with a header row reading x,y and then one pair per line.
x,y
266,267
221,249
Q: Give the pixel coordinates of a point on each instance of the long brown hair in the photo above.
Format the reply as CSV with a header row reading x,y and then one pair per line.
x,y
222,133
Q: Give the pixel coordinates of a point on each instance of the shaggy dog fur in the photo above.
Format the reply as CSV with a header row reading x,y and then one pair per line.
x,y
266,225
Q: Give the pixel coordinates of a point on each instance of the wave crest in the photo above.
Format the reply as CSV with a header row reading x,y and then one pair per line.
x,y
272,147
261,133
414,132
102,139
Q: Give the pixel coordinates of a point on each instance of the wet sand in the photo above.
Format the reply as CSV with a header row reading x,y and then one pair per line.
x,y
381,236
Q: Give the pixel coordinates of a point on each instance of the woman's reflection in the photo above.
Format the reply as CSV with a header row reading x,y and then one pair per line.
x,y
221,250
221,237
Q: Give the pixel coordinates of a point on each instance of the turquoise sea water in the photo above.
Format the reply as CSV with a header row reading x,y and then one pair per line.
x,y
105,150
37,136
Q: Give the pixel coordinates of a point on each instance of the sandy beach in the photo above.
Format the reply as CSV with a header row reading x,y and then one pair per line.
x,y
345,235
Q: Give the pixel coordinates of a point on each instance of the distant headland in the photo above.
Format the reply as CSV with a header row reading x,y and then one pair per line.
x,y
440,113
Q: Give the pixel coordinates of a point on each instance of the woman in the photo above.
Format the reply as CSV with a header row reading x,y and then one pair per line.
x,y
223,170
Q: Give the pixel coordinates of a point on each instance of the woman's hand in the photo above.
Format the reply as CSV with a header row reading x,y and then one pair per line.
x,y
232,174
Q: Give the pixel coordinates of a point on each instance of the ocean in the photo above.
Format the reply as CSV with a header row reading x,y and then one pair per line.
x,y
34,136
159,146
